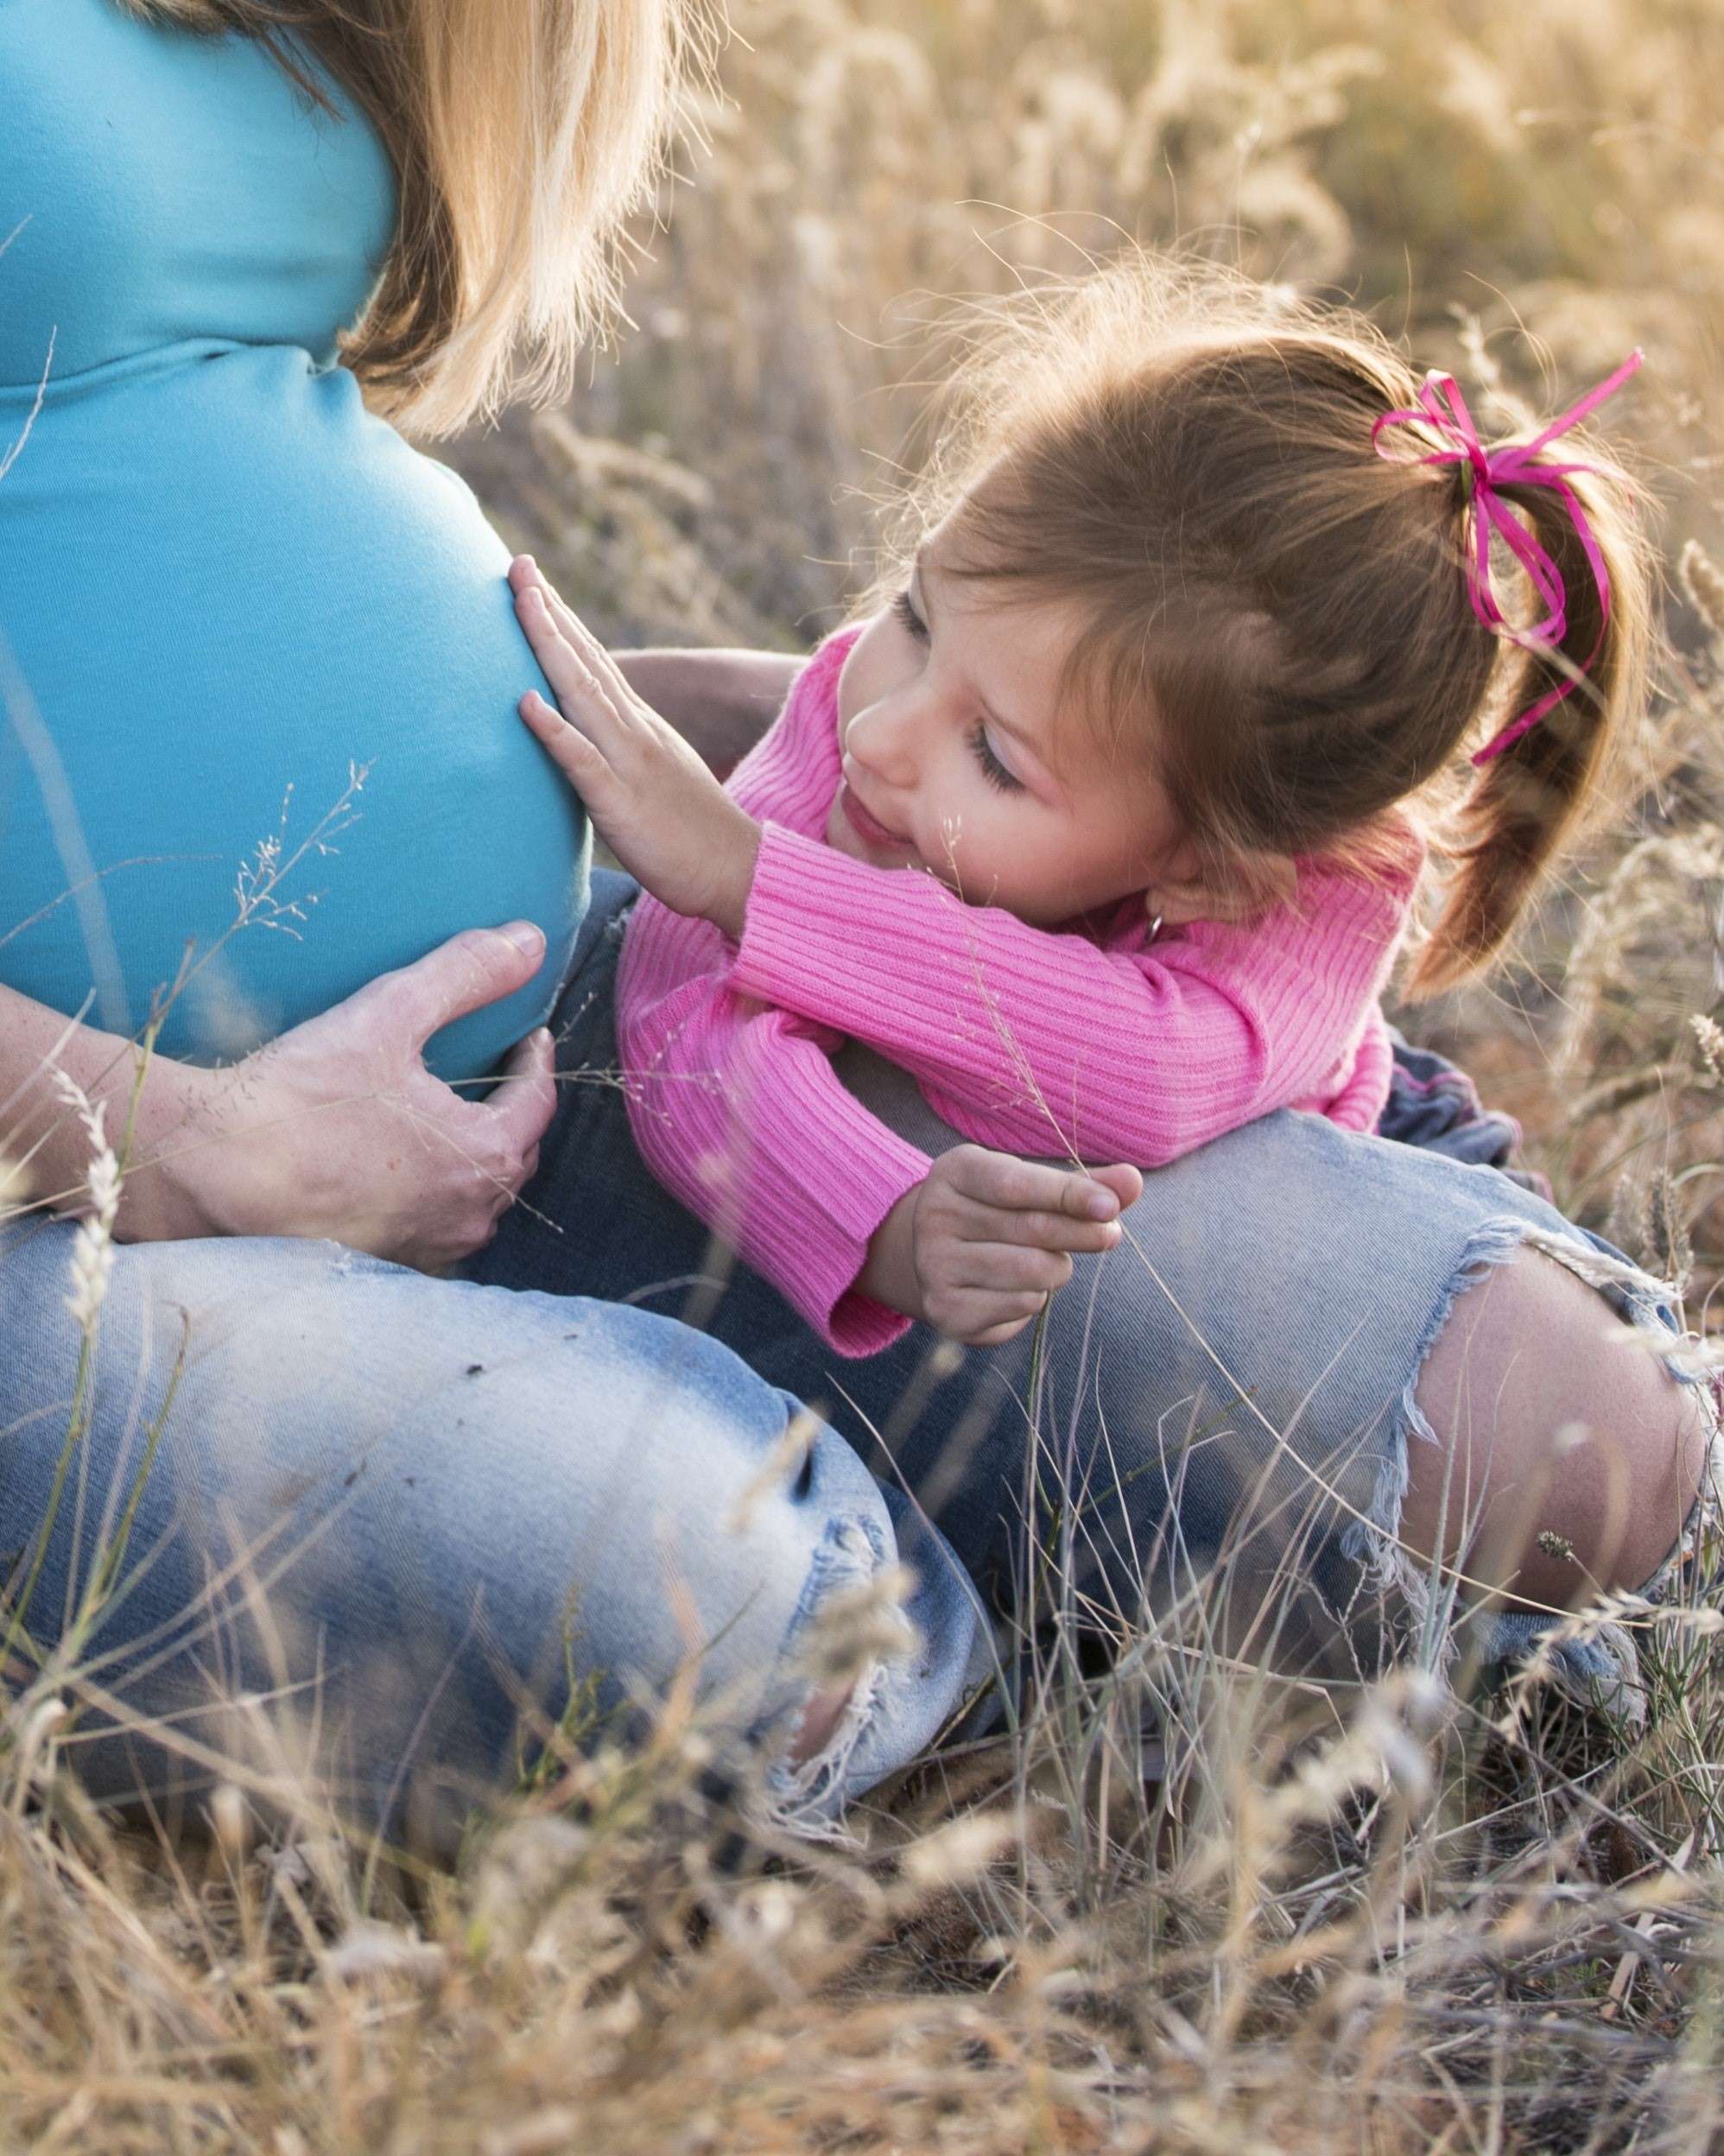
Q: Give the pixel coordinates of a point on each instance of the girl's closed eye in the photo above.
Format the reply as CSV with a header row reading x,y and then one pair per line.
x,y
993,771
904,610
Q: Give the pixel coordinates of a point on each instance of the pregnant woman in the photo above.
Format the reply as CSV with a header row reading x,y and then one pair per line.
x,y
260,661
259,674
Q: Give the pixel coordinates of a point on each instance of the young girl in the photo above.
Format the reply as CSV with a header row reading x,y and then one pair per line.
x,y
1107,824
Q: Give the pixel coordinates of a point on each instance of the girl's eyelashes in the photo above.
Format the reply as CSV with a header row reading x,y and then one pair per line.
x,y
993,771
996,773
904,610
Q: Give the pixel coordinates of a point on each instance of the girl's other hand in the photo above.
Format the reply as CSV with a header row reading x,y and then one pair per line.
x,y
338,1129
977,1249
651,799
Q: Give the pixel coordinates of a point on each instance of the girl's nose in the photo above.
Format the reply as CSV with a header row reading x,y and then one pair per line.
x,y
881,737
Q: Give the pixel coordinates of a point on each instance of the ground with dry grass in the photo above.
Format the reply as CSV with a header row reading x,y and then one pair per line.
x,y
1403,1917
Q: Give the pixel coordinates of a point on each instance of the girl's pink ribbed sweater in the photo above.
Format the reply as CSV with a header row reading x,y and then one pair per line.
x,y
1093,1041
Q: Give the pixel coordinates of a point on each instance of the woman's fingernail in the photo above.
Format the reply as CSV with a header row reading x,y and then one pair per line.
x,y
1101,1204
526,938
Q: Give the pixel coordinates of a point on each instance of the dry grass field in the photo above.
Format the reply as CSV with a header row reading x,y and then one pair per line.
x,y
1389,1919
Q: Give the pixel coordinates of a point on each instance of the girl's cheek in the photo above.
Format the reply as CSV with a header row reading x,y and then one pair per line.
x,y
966,846
866,672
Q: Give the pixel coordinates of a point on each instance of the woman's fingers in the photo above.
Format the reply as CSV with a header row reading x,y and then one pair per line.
x,y
521,1107
471,970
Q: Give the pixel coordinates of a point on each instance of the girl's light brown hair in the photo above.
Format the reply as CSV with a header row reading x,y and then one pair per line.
x,y
1188,458
522,133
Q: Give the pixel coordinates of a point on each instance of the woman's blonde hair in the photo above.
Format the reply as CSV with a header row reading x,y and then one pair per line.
x,y
1188,457
522,132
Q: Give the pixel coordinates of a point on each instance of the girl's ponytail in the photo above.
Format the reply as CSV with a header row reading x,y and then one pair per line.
x,y
1539,782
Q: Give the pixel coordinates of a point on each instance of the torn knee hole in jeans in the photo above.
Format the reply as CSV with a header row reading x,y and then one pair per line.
x,y
849,1628
1586,1658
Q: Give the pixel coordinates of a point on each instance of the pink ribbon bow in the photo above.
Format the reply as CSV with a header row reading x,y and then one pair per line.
x,y
1442,408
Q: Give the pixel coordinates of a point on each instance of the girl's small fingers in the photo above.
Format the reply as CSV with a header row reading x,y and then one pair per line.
x,y
1027,1186
594,696
997,1335
574,662
985,1320
560,621
605,672
534,589
1125,1181
570,624
604,669
973,1220
1011,1268
547,722
1043,1231
571,750
533,608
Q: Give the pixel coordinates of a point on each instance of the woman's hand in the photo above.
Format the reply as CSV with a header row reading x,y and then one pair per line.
x,y
976,1248
650,797
338,1129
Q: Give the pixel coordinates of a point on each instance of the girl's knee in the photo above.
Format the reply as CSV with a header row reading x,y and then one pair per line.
x,y
1568,1455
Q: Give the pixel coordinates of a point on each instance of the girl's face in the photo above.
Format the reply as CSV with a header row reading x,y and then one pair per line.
x,y
957,758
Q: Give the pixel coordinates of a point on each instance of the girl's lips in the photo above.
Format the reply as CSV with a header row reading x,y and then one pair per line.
x,y
867,828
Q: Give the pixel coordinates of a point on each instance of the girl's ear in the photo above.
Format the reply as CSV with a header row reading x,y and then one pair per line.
x,y
1190,887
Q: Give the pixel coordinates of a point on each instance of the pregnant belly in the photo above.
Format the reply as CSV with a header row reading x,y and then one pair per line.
x,y
260,667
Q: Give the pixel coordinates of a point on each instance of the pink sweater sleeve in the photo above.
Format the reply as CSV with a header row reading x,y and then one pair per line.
x,y
1358,1106
739,1113
734,1104
1042,1042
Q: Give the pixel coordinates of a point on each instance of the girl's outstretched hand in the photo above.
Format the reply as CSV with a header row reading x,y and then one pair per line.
x,y
977,1249
651,799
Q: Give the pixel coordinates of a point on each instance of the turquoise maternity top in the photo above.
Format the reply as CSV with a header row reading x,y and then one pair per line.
x,y
258,661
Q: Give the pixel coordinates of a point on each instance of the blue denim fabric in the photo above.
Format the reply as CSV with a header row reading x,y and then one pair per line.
x,y
401,1510
1434,1104
1232,1389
